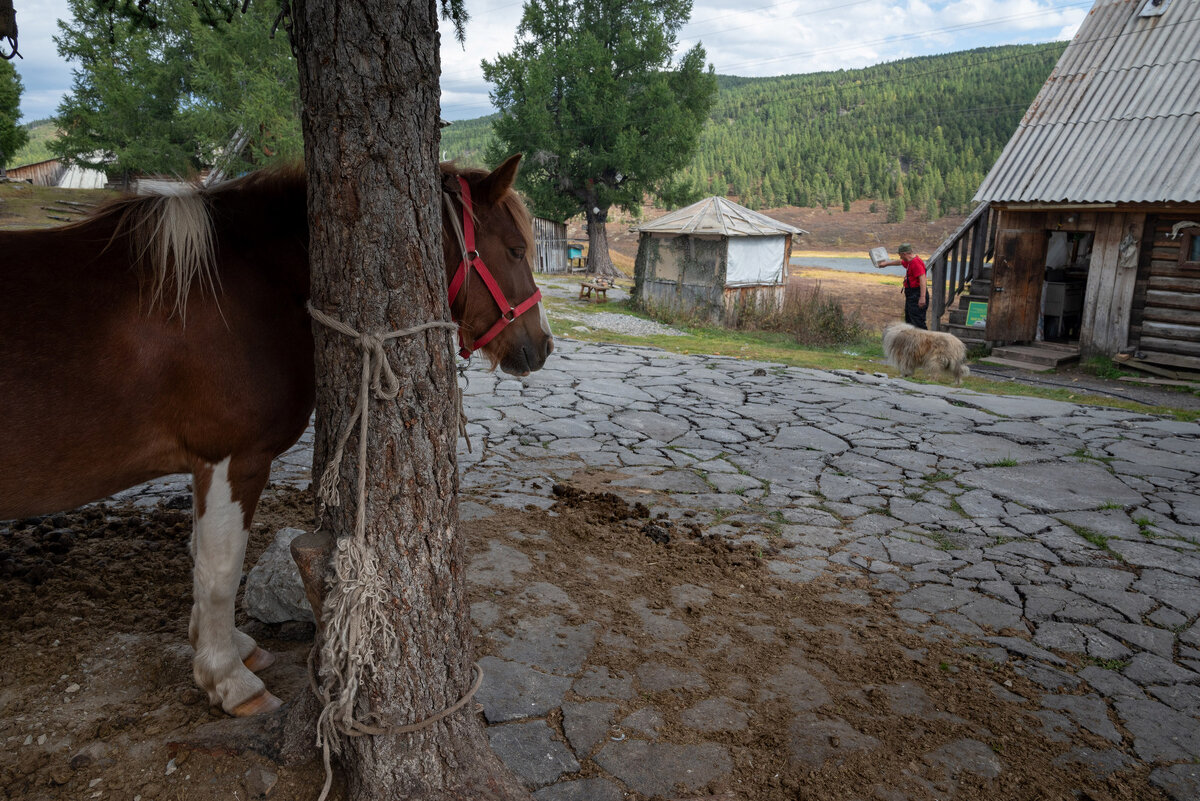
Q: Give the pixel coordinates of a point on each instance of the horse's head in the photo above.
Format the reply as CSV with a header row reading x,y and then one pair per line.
x,y
489,252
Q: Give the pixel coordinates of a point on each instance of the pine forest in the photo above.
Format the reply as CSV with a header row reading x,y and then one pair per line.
x,y
918,134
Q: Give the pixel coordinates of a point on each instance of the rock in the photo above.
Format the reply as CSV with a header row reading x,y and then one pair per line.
x,y
530,751
660,769
582,790
260,782
966,756
512,691
92,754
274,592
813,740
1179,782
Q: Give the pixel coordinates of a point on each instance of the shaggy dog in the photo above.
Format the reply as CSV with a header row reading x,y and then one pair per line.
x,y
910,348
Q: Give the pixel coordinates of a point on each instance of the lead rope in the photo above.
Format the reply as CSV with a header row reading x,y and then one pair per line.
x,y
354,615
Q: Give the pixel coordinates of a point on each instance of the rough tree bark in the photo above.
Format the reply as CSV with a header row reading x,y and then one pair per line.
x,y
599,262
369,74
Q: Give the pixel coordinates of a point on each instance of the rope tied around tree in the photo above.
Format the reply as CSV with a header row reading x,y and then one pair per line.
x,y
354,614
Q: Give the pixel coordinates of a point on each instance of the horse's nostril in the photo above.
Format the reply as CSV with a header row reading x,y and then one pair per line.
x,y
549,347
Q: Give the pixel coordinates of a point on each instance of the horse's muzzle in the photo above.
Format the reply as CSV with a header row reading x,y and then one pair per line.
x,y
528,358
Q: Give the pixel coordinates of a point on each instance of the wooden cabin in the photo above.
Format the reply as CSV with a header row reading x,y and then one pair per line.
x,y
551,240
712,259
1091,215
53,172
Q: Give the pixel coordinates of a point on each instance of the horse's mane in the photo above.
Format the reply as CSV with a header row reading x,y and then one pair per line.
x,y
171,236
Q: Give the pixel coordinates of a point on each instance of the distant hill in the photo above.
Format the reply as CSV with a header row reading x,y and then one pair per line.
x,y
38,147
917,134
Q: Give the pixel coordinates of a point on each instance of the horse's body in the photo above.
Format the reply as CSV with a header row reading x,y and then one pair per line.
x,y
123,358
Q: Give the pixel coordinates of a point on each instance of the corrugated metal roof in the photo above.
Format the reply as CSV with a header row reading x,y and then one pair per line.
x,y
718,216
1118,121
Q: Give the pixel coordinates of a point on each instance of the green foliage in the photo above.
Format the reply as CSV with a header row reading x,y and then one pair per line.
x,y
1102,367
808,316
589,93
12,136
158,90
242,80
466,141
927,129
123,110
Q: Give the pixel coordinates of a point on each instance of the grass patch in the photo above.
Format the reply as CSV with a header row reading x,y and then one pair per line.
x,y
21,204
806,316
1108,664
1146,528
1110,505
940,475
782,348
1003,463
1102,367
1092,536
944,543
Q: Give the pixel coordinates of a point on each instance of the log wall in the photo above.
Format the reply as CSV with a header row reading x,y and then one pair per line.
x,y
1165,320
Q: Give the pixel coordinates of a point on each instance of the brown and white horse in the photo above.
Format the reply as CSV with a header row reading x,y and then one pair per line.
x,y
169,334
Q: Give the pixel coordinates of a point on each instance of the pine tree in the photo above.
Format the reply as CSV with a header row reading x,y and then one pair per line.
x,y
122,114
12,136
590,93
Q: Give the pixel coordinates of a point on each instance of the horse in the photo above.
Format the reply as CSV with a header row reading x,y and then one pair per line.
x,y
170,334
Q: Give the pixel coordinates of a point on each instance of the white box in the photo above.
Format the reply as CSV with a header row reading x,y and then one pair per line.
x,y
878,255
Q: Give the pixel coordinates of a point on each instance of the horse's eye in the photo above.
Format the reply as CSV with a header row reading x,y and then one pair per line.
x,y
517,253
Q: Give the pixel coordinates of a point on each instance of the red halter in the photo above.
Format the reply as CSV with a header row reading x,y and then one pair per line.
x,y
508,312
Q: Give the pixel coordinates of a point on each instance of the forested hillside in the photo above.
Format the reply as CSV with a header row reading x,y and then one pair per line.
x,y
918,134
38,147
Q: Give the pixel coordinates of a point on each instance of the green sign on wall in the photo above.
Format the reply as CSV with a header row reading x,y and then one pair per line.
x,y
976,314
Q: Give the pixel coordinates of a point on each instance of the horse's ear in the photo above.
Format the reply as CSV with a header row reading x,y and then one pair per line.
x,y
493,187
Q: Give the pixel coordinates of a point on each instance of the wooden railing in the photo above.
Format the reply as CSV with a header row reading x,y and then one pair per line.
x,y
959,260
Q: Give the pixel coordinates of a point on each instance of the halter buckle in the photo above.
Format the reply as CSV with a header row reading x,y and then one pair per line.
x,y
510,315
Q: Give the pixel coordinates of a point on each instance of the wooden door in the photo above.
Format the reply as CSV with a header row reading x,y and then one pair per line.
x,y
1018,271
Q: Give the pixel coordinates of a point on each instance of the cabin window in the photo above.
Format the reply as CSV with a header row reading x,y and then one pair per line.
x,y
1189,254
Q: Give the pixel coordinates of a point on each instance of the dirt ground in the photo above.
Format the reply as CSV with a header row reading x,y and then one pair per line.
x,y
96,689
831,230
875,299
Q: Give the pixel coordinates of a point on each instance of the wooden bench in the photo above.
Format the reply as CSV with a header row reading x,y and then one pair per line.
x,y
599,286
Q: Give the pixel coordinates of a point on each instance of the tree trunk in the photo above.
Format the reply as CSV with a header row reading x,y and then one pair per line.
x,y
599,262
369,84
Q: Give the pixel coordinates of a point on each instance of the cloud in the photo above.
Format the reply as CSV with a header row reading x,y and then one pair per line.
x,y
740,37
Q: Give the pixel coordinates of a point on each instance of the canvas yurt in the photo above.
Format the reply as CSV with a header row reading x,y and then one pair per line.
x,y
712,259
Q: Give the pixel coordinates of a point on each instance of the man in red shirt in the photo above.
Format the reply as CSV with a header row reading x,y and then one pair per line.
x,y
916,290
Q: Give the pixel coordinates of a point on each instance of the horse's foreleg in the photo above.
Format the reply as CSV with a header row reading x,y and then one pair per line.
x,y
218,552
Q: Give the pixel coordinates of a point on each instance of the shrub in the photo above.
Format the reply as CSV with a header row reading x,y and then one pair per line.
x,y
808,314
1101,367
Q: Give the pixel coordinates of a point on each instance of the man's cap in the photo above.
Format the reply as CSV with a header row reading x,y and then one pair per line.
x,y
906,248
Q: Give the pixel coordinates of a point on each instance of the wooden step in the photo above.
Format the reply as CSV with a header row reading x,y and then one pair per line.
x,y
959,316
968,297
1033,368
971,336
1040,354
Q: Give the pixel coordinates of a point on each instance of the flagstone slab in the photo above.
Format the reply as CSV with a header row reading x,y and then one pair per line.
x,y
664,769
1048,487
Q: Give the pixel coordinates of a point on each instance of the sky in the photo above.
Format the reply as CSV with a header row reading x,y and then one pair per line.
x,y
750,38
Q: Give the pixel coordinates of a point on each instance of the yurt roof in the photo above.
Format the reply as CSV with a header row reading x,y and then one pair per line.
x,y
718,216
